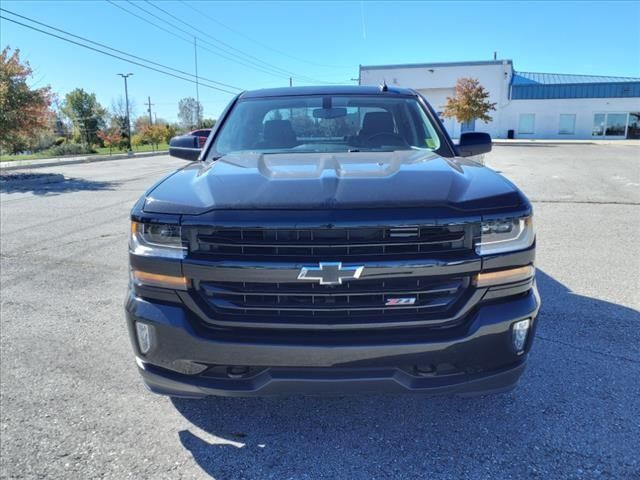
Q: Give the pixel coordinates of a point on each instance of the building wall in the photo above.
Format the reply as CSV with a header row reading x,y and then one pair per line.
x,y
436,82
547,115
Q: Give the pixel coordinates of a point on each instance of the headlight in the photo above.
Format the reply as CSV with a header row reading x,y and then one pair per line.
x,y
157,240
506,235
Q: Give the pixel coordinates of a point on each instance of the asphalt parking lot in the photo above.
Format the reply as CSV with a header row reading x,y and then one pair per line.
x,y
72,405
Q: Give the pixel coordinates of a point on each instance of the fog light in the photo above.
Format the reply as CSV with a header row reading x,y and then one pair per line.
x,y
519,334
144,333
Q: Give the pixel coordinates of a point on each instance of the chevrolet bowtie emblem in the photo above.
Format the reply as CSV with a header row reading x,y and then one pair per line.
x,y
330,273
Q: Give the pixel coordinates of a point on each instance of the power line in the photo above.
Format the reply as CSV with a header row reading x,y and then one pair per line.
x,y
251,59
226,45
113,55
220,52
115,49
257,42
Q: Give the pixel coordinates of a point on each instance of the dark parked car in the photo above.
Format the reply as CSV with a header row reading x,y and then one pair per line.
x,y
192,142
332,240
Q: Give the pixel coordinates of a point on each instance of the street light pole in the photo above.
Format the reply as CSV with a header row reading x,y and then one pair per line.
x,y
126,99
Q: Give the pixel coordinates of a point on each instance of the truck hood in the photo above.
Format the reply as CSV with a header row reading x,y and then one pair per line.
x,y
409,178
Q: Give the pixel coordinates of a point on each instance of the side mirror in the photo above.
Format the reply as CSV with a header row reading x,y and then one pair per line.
x,y
186,147
474,143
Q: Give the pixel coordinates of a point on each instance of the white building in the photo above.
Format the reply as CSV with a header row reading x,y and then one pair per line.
x,y
531,105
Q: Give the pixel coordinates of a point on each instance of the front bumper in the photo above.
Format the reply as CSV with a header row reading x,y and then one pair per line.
x,y
474,358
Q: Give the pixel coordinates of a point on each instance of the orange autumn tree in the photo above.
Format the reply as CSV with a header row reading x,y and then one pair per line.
x,y
470,102
153,134
24,111
111,138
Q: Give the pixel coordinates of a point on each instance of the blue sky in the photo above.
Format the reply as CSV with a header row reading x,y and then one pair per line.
x,y
316,41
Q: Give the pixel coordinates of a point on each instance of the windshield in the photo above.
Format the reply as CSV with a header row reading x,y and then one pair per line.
x,y
321,123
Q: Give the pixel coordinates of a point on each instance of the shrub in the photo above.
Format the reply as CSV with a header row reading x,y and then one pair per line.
x,y
59,141
69,149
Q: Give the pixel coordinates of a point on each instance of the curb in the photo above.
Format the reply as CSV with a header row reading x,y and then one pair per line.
x,y
516,143
524,142
52,162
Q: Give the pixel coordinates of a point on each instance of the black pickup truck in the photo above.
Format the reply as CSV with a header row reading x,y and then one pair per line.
x,y
331,240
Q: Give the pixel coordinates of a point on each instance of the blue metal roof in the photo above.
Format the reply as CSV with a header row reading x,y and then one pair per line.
x,y
542,86
532,78
436,65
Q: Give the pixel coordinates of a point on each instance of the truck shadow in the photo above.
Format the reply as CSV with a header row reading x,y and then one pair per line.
x,y
49,184
574,409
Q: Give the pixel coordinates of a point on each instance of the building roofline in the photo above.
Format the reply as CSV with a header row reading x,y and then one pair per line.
x,y
621,79
435,65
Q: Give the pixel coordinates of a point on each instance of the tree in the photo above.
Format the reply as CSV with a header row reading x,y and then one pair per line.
x,y
153,134
141,123
208,123
136,140
111,138
119,115
85,113
24,112
190,112
470,102
171,130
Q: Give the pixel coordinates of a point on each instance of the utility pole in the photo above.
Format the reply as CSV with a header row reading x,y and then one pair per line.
x,y
195,51
291,81
149,105
126,99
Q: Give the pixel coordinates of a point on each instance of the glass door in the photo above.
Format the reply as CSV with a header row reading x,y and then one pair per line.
x,y
633,125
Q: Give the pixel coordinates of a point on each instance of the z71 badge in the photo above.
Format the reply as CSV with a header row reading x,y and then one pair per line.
x,y
400,301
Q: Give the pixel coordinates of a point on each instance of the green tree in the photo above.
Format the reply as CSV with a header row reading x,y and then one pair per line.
x,y
118,117
470,102
85,113
208,123
24,112
170,131
190,112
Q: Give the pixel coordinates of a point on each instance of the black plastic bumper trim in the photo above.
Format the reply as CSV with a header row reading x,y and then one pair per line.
x,y
282,382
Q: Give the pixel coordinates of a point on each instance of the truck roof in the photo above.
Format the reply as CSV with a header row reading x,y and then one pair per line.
x,y
327,90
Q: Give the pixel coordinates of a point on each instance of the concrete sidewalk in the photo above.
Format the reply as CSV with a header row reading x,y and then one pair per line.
x,y
562,141
51,162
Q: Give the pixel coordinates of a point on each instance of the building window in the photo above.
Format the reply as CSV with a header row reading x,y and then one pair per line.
x,y
567,124
609,124
616,124
468,126
527,123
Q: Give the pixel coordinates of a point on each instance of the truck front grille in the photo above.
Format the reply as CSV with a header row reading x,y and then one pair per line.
x,y
328,243
361,301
